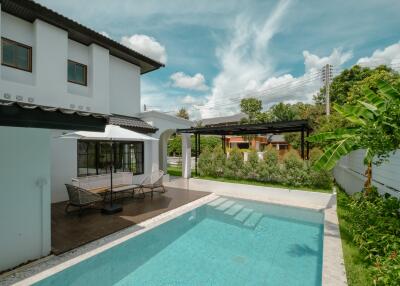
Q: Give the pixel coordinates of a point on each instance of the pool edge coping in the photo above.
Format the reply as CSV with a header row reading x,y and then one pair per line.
x,y
30,275
333,268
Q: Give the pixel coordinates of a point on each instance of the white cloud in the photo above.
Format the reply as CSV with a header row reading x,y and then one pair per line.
x,y
244,61
247,68
188,99
196,82
388,56
147,46
105,34
336,58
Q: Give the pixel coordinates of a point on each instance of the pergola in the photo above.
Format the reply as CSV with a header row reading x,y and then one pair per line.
x,y
277,127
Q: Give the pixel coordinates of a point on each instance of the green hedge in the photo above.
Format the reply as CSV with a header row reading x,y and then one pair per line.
x,y
374,226
292,171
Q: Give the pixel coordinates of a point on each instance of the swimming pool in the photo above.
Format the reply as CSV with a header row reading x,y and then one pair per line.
x,y
225,242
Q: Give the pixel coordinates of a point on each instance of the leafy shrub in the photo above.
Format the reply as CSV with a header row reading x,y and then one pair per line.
x,y
315,154
376,231
218,162
234,164
205,163
251,166
319,179
294,171
268,168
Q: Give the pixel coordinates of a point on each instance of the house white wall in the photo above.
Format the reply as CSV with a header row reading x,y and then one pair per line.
x,y
124,87
167,125
113,84
349,173
25,195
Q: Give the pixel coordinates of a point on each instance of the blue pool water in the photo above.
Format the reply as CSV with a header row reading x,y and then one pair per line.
x,y
227,242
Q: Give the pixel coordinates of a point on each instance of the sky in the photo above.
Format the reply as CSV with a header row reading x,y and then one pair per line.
x,y
218,52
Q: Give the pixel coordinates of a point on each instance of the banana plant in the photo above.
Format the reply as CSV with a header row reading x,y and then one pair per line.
x,y
375,127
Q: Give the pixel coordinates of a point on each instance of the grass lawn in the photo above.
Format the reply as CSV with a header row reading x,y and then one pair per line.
x,y
177,171
357,269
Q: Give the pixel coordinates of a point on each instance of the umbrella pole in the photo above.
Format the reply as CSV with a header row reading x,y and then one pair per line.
x,y
111,208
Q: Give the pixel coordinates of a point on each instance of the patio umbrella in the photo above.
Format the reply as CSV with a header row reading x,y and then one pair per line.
x,y
112,133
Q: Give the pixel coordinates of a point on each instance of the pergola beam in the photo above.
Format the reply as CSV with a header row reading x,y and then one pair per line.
x,y
301,126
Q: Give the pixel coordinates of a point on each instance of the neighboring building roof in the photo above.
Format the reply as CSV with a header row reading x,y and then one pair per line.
x,y
224,120
30,11
132,123
19,114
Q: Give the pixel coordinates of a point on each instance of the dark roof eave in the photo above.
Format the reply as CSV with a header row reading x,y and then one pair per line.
x,y
30,11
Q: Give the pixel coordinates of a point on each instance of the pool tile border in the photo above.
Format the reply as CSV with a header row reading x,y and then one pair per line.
x,y
30,275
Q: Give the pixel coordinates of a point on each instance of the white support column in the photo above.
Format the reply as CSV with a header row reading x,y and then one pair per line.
x,y
186,156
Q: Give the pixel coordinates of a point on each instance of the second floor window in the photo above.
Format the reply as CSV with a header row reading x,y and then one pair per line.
x,y
16,55
77,73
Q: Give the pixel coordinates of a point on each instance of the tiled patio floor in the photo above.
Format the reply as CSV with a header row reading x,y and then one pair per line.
x,y
70,231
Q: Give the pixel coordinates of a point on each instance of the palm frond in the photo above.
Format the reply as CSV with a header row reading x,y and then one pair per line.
x,y
368,156
353,113
388,90
333,154
373,98
338,134
368,106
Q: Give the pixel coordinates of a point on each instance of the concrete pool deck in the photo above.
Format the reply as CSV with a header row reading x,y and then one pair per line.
x,y
289,197
333,265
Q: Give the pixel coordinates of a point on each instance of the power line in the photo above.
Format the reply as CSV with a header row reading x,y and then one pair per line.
x,y
288,86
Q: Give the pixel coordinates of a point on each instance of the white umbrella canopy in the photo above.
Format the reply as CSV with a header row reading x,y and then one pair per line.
x,y
111,133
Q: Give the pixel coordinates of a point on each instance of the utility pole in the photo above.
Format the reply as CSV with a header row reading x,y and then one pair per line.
x,y
326,77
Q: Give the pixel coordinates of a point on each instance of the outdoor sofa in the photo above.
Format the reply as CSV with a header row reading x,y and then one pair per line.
x,y
81,198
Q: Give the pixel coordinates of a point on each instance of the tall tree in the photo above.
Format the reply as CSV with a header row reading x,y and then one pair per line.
x,y
344,86
283,112
183,113
252,107
375,127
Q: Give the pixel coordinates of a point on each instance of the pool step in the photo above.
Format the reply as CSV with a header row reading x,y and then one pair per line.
x,y
253,219
241,216
217,202
233,210
226,205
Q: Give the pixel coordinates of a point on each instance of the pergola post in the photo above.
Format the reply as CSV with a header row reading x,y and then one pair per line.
x,y
195,152
199,143
308,144
302,143
186,155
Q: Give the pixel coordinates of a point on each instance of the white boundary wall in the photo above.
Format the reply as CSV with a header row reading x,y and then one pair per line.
x,y
25,220
349,173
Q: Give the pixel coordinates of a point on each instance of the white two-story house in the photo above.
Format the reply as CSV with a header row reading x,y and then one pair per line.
x,y
58,76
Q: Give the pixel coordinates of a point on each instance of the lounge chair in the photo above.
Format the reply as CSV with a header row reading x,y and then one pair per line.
x,y
152,182
81,198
